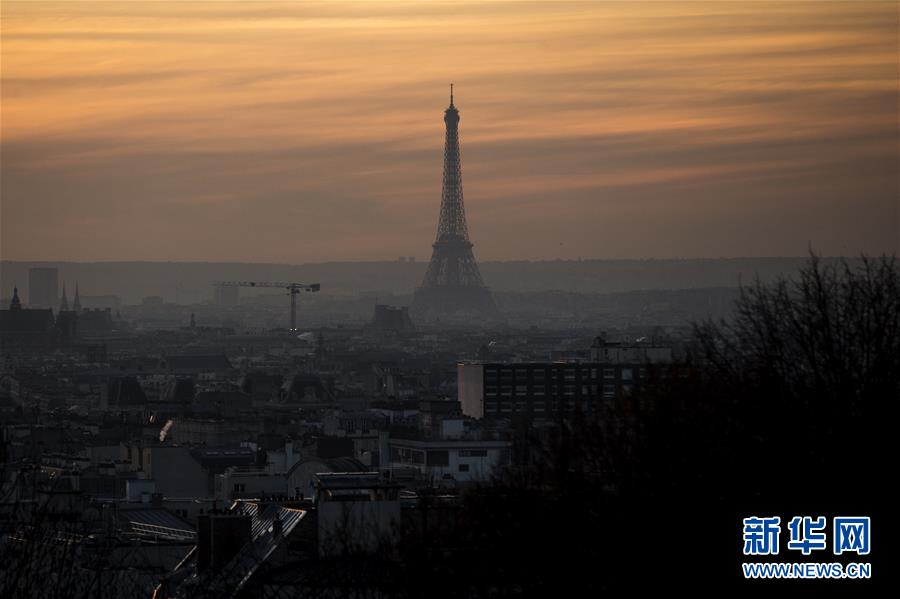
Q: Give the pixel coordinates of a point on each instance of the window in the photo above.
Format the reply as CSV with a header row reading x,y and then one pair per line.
x,y
626,374
439,458
609,373
405,455
473,453
463,467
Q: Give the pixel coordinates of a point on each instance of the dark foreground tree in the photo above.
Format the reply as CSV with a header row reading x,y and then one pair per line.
x,y
782,410
812,368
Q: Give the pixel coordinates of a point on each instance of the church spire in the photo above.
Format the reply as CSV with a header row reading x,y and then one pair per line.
x,y
16,303
64,302
76,305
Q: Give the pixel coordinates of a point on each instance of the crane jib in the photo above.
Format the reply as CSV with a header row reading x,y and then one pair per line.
x,y
292,288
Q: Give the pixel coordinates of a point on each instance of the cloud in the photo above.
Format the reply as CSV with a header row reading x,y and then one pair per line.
x,y
301,132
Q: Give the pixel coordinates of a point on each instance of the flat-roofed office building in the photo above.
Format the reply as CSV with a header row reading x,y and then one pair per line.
x,y
541,390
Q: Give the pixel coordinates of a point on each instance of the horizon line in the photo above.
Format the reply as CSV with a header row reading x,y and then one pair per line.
x,y
425,262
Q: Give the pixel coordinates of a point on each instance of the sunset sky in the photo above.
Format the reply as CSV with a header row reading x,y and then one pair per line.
x,y
310,131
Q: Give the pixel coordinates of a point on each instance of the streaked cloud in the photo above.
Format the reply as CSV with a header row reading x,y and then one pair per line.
x,y
294,132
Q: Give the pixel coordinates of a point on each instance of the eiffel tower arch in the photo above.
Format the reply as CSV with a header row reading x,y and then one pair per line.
x,y
452,283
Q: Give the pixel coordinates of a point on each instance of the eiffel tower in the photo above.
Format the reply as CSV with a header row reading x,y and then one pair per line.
x,y
452,282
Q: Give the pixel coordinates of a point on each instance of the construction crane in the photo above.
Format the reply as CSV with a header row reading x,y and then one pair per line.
x,y
293,290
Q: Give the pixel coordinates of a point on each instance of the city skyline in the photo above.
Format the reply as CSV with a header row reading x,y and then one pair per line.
x,y
302,133
446,299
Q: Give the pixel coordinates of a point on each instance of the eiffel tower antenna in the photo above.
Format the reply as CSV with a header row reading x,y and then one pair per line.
x,y
452,282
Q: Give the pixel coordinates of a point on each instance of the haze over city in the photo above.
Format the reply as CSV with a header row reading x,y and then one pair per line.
x,y
447,299
306,132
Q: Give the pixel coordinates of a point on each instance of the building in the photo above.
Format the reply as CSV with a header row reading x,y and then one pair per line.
x,y
203,366
175,471
125,391
66,319
239,552
356,512
543,390
94,320
391,319
262,386
25,326
43,287
221,404
632,352
238,483
301,476
308,389
445,448
440,419
449,461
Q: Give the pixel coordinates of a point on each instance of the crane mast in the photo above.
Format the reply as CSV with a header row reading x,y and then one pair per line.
x,y
293,290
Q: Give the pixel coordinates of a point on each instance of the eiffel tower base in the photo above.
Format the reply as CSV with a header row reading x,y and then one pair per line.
x,y
453,300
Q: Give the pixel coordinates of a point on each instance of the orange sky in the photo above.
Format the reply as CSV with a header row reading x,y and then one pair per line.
x,y
311,131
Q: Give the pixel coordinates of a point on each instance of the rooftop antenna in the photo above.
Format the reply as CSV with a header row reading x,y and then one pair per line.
x,y
451,94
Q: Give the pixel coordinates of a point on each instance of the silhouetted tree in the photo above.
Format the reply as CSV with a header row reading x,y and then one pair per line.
x,y
808,370
782,409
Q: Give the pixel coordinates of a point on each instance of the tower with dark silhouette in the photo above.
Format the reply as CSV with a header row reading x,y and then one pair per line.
x,y
452,282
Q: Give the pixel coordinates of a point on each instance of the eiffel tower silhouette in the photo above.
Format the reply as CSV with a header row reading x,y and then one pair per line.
x,y
452,282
